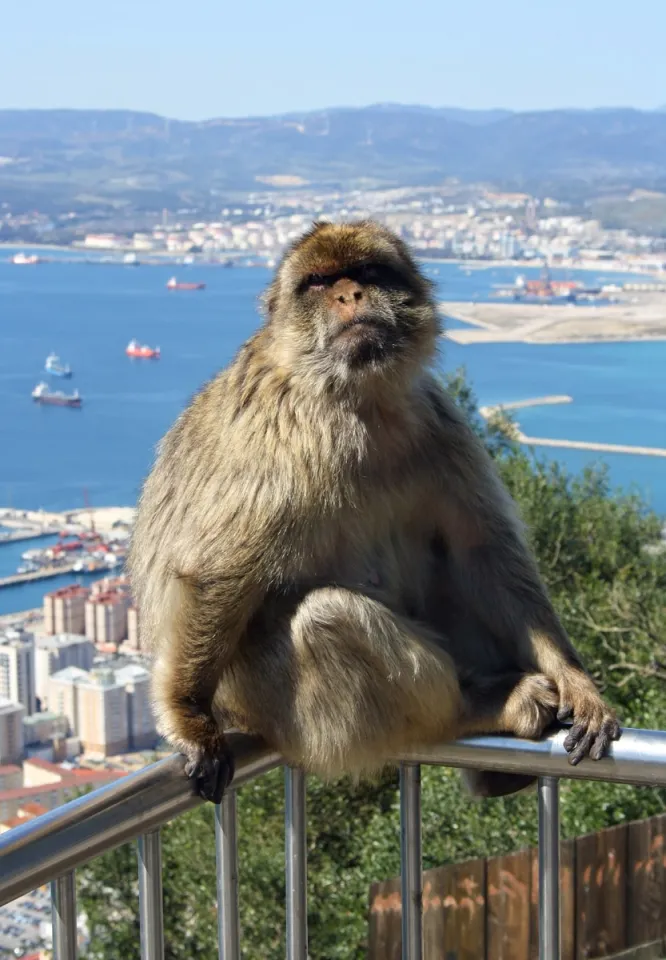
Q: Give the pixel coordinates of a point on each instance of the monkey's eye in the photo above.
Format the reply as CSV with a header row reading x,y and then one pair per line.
x,y
314,281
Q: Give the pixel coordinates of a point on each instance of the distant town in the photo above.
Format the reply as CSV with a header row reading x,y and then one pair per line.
x,y
75,709
448,222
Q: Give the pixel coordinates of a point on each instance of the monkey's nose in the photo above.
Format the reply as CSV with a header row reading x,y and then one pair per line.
x,y
348,292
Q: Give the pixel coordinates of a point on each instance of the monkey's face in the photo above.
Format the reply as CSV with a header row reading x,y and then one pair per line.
x,y
353,302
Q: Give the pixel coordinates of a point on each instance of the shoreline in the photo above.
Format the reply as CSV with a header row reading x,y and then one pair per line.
x,y
588,266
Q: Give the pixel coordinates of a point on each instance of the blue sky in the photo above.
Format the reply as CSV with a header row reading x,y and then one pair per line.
x,y
206,59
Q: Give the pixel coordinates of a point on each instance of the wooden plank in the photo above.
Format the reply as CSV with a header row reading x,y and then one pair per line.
x,y
384,936
454,912
567,902
646,871
508,911
601,883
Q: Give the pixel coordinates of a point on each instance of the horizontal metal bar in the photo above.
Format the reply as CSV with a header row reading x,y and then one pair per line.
x,y
638,757
80,830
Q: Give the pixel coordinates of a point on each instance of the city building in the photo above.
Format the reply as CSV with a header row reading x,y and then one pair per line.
x,y
140,719
50,785
133,641
106,617
108,709
55,653
11,731
44,727
65,610
17,668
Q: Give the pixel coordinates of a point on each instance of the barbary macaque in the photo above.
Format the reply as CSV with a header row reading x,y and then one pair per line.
x,y
324,554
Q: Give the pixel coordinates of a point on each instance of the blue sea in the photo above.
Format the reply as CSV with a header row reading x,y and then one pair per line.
x,y
88,312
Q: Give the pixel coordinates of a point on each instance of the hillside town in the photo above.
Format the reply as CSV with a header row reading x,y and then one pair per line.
x,y
449,222
75,714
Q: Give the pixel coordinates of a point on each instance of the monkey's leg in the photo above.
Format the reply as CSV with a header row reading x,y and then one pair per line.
x,y
192,655
495,573
342,684
525,706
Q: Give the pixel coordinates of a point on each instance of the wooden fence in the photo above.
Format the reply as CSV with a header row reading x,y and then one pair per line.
x,y
613,896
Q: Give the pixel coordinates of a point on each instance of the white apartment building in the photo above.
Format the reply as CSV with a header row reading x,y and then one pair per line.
x,y
17,668
11,731
56,653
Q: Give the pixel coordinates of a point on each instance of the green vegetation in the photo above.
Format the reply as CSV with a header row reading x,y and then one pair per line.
x,y
611,594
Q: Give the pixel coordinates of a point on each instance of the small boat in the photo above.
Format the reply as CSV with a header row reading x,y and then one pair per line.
x,y
22,259
173,284
42,394
56,368
136,349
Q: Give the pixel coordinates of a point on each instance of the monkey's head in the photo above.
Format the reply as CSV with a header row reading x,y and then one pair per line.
x,y
349,303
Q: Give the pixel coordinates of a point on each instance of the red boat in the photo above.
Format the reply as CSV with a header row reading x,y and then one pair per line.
x,y
173,284
136,349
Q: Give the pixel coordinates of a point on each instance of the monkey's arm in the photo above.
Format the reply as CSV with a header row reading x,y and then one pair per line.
x,y
495,572
203,622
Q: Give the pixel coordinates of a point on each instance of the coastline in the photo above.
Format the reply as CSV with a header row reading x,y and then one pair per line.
x,y
641,318
145,256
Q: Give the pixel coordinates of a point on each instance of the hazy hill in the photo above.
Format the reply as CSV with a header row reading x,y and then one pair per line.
x,y
66,158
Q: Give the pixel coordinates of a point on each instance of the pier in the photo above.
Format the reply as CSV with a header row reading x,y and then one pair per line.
x,y
489,411
44,573
28,535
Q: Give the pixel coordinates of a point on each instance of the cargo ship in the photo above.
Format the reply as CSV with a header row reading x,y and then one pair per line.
x,y
23,260
135,349
173,284
42,394
56,368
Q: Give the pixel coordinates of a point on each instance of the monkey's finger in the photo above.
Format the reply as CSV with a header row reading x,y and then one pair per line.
x,y
575,734
565,712
215,778
582,749
610,730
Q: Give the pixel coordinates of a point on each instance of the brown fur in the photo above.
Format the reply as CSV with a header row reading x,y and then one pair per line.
x,y
323,553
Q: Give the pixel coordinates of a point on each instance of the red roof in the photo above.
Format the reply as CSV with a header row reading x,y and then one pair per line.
x,y
8,769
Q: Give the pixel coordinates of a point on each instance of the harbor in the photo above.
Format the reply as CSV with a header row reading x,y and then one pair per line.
x,y
86,542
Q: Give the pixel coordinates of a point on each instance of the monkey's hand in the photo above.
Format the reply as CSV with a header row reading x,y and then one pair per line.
x,y
595,724
210,763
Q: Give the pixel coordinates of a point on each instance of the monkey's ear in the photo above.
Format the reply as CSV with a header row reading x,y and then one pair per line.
x,y
268,300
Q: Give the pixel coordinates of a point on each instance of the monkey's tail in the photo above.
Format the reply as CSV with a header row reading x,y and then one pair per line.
x,y
483,783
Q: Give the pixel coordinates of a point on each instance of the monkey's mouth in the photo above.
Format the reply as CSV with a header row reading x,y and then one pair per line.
x,y
364,340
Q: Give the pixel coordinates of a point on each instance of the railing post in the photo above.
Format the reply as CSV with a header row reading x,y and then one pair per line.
x,y
296,864
63,917
150,896
226,847
549,869
410,854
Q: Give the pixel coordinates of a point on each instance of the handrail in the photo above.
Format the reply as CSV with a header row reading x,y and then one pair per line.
x,y
51,847
78,831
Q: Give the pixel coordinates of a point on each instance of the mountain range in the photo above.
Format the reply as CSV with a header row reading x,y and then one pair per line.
x,y
55,160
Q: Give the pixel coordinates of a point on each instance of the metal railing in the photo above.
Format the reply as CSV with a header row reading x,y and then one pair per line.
x,y
52,846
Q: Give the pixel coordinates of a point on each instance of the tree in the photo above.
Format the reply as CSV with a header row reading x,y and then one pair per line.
x,y
608,584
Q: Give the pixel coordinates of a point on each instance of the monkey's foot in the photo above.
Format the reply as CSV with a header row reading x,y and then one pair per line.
x,y
595,724
531,707
212,771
